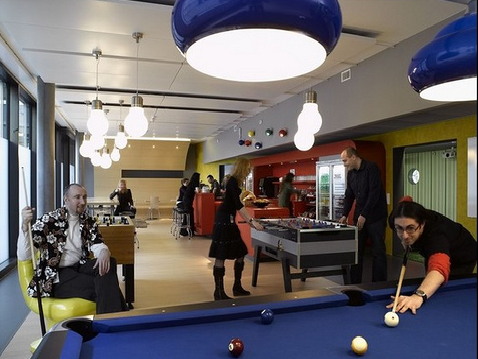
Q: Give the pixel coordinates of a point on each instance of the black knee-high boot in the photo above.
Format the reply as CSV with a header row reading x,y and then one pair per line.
x,y
219,281
237,289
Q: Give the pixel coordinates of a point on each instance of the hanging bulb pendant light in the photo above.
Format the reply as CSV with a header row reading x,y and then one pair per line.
x,y
97,124
136,123
120,140
310,119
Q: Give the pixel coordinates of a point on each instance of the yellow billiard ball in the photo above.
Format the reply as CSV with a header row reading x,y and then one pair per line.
x,y
359,345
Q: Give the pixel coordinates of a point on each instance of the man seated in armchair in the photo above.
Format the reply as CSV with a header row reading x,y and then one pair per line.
x,y
66,238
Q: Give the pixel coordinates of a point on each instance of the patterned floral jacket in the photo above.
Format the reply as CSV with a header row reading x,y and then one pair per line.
x,y
49,235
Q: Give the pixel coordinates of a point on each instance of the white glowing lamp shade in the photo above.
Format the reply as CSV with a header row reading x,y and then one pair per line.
x,y
256,55
310,119
97,142
120,140
97,124
115,155
86,150
96,159
458,90
304,140
136,123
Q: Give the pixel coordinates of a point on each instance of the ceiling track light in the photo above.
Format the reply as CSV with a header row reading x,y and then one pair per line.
x,y
136,123
445,69
97,123
256,40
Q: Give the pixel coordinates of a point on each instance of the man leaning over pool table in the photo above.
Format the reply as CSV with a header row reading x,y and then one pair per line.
x,y
448,249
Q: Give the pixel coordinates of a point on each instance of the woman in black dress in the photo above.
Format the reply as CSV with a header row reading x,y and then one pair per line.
x,y
226,238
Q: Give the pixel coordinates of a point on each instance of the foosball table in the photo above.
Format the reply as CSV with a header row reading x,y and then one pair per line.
x,y
327,247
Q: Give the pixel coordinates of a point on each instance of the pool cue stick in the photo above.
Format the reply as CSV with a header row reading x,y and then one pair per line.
x,y
37,280
400,279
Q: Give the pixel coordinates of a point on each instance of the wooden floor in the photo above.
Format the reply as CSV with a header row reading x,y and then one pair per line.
x,y
171,272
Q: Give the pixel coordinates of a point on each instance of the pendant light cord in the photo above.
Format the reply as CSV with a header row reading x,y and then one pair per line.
x,y
137,36
137,65
97,66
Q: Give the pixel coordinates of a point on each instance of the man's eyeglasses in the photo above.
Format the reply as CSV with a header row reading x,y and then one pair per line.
x,y
410,229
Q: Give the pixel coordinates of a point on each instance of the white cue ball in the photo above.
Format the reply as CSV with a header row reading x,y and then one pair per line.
x,y
391,319
359,345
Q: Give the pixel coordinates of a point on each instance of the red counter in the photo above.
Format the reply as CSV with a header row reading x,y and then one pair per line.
x,y
258,213
205,207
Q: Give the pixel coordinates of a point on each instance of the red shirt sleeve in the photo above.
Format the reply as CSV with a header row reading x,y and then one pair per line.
x,y
441,263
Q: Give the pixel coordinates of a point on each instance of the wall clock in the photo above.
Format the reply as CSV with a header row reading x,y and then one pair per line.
x,y
413,176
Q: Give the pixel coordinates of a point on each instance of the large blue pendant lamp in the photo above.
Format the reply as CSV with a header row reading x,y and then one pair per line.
x,y
256,40
445,69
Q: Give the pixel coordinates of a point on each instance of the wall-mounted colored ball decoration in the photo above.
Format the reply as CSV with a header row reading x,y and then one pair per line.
x,y
248,143
283,132
258,145
251,133
269,132
241,142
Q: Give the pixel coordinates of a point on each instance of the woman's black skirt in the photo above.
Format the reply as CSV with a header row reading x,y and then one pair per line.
x,y
226,239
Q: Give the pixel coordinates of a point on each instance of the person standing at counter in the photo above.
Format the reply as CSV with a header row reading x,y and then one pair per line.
x,y
187,203
182,189
364,187
285,191
215,187
227,242
448,248
125,199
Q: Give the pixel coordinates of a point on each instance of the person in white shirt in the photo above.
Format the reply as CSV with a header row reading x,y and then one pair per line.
x,y
66,238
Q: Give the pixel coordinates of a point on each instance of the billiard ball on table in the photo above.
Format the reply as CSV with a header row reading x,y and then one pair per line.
x,y
359,345
267,316
391,319
236,347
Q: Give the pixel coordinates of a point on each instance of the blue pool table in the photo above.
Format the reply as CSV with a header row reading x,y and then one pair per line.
x,y
307,325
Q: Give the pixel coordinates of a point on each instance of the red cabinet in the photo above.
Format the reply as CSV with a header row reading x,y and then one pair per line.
x,y
204,211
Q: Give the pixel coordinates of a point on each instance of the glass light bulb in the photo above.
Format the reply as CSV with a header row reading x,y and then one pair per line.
x,y
97,142
115,155
96,158
310,119
97,123
120,140
136,123
304,140
105,162
86,150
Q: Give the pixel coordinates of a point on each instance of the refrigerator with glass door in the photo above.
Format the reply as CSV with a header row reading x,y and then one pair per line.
x,y
331,178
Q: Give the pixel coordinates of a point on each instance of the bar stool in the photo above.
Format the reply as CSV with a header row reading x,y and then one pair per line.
x,y
183,221
174,222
